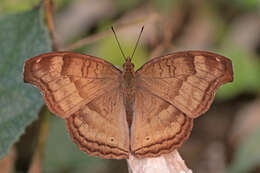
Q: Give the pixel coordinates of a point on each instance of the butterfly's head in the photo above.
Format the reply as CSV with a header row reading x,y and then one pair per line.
x,y
128,66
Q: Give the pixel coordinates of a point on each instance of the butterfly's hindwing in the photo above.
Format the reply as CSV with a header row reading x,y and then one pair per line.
x,y
100,127
157,127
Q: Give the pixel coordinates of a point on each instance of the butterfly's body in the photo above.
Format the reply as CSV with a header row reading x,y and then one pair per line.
x,y
128,88
112,113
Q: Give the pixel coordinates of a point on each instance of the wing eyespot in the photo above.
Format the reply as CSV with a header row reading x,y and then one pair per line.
x,y
147,138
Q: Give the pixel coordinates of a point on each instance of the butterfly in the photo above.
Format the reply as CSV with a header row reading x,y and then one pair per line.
x,y
112,113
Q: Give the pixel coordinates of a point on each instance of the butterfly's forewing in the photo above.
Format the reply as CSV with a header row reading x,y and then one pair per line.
x,y
187,80
170,92
158,127
70,80
85,91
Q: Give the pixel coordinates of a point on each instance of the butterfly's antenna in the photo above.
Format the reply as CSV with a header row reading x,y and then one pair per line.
x,y
118,42
137,42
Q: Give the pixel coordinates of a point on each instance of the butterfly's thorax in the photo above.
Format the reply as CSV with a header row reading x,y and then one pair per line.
x,y
128,86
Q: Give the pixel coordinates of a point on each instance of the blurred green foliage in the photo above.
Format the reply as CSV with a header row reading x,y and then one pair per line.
x,y
109,50
248,5
247,156
16,5
166,5
246,66
19,6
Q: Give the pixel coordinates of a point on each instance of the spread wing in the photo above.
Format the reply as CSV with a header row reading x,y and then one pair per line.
x,y
70,80
187,80
157,127
86,92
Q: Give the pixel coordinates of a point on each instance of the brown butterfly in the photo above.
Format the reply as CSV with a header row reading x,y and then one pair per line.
x,y
111,113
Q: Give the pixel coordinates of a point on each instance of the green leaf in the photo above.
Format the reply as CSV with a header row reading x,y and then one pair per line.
x,y
247,156
22,36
